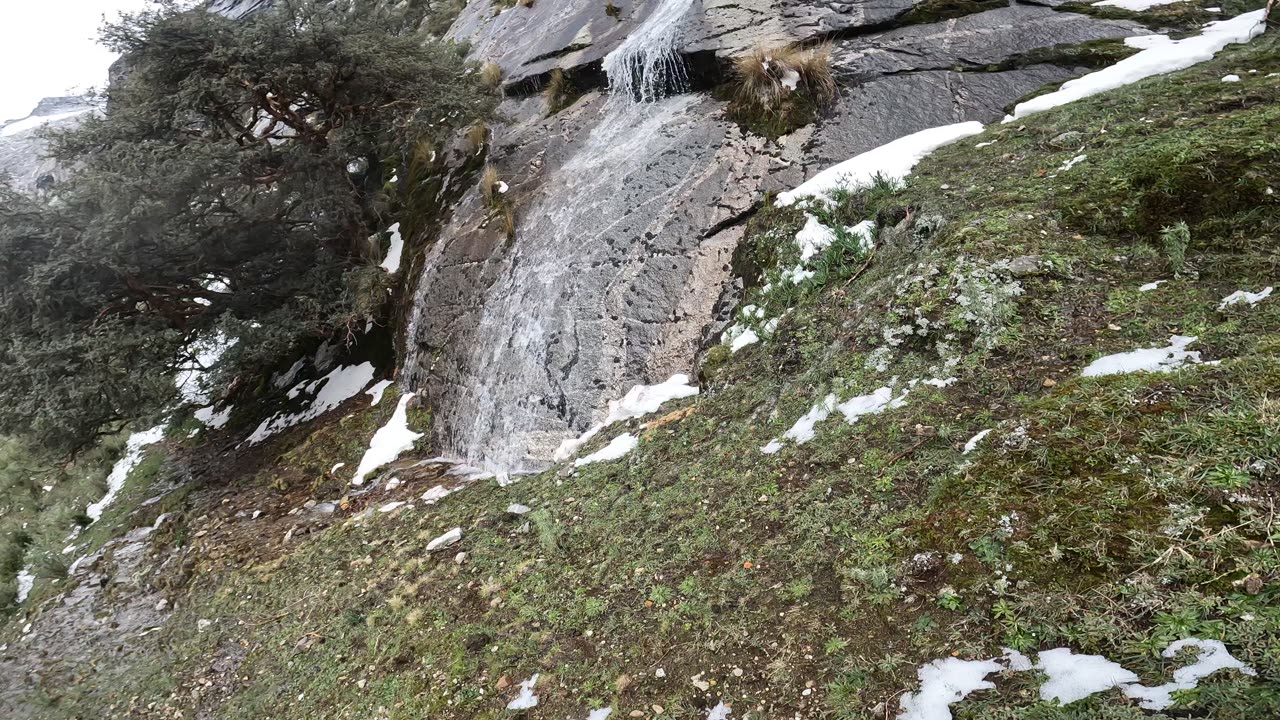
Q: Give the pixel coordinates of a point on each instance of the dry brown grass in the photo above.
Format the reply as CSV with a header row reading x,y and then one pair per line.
x,y
779,89
491,75
525,3
509,221
489,180
557,91
477,136
612,10
769,76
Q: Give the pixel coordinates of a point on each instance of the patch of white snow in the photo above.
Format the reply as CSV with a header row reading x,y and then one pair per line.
x,y
972,444
391,263
616,448
391,439
639,401
1161,359
1157,58
377,390
893,160
125,465
944,682
1243,296
526,699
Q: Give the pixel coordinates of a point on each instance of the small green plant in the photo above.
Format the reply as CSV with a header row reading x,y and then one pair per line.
x,y
948,599
799,589
1175,239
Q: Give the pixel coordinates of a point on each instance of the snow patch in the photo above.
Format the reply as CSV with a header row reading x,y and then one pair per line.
x,y
1157,58
341,384
1244,296
601,714
389,442
893,160
26,581
31,123
1230,78
436,494
972,444
1213,657
944,682
526,699
639,401
211,419
1161,359
125,465
1075,677
740,337
1151,286
1071,163
618,447
376,391
391,263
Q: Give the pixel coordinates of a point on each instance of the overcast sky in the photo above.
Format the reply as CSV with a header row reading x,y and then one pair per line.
x,y
49,47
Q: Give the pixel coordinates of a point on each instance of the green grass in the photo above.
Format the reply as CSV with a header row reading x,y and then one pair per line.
x,y
1111,515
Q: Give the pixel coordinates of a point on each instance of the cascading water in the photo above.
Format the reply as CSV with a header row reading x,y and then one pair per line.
x,y
647,66
551,345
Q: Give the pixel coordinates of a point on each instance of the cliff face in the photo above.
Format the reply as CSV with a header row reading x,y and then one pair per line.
x,y
619,264
22,150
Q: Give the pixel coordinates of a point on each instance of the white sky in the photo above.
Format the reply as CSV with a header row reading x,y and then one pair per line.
x,y
49,47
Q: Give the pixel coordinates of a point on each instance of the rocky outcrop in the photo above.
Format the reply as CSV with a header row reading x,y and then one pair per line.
x,y
911,78
22,147
626,216
624,233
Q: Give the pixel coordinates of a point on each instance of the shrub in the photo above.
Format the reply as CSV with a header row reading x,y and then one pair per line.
x,y
230,188
612,10
778,90
1175,239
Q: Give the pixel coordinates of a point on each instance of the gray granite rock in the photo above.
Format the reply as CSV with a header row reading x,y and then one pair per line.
x,y
625,218
22,149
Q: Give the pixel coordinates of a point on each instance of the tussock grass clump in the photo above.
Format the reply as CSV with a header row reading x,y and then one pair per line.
x,y
776,90
612,10
491,75
490,181
558,91
477,136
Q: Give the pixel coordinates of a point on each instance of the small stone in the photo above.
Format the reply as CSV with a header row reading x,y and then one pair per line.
x,y
361,683
503,683
460,558
660,673
1049,382
1025,266
162,605
737,672
1071,138
637,713
657,709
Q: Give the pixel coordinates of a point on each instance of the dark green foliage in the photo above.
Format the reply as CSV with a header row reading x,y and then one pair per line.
x,y
232,187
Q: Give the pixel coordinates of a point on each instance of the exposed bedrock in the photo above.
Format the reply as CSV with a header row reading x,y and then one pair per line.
x,y
626,215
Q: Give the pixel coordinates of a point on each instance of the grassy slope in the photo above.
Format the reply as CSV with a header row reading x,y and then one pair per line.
x,y
1110,515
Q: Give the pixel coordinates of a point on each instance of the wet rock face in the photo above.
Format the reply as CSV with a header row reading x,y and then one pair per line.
x,y
905,80
626,219
625,231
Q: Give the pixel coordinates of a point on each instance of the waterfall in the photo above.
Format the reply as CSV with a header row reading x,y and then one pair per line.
x,y
647,65
552,342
